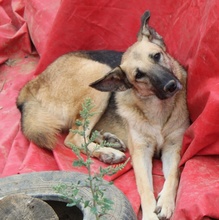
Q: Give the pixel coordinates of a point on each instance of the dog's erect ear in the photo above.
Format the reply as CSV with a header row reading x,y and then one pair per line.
x,y
144,29
148,32
114,81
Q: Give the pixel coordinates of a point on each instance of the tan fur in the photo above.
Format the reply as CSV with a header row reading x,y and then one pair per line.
x,y
54,96
146,124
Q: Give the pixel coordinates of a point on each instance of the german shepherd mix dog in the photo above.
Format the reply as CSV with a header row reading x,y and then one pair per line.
x,y
142,106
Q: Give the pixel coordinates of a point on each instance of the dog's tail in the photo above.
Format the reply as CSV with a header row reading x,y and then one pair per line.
x,y
38,124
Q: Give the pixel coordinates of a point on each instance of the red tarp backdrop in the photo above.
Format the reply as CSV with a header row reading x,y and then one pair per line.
x,y
33,33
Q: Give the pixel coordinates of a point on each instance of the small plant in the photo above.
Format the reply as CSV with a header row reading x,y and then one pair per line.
x,y
99,204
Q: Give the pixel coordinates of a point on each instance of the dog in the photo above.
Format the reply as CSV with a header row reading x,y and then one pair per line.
x,y
140,97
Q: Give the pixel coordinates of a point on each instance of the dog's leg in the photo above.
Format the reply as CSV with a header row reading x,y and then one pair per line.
x,y
166,199
105,154
142,163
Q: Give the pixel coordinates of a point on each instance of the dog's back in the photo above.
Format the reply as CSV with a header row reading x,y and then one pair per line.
x,y
51,102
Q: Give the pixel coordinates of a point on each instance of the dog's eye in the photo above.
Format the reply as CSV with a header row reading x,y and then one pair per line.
x,y
139,74
156,57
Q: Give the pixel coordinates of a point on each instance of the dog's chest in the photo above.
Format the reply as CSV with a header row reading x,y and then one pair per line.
x,y
153,137
156,115
159,142
157,111
146,120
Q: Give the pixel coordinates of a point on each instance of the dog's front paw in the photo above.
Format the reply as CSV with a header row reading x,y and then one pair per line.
x,y
165,207
115,141
111,156
151,216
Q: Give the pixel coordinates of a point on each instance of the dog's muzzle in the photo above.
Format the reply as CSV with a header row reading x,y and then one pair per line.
x,y
165,84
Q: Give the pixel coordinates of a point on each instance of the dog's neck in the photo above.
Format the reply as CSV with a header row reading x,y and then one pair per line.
x,y
161,111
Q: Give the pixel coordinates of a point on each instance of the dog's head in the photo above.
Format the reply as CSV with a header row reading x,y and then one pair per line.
x,y
145,67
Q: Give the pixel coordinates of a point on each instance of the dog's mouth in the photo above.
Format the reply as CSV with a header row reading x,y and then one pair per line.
x,y
158,88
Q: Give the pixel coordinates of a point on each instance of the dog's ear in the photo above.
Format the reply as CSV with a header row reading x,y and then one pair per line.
x,y
114,81
149,33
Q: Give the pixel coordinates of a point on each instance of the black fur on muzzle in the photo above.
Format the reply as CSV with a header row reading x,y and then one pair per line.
x,y
164,83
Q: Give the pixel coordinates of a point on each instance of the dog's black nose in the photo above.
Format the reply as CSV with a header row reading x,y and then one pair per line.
x,y
171,86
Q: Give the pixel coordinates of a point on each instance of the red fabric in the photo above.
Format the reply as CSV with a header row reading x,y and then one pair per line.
x,y
190,30
198,190
13,30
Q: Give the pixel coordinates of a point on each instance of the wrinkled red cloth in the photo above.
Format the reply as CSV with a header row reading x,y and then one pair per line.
x,y
33,33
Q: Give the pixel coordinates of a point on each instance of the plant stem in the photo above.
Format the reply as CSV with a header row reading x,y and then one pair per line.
x,y
89,170
98,204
